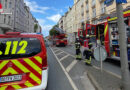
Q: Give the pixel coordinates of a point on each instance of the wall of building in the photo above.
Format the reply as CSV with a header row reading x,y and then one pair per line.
x,y
86,11
21,19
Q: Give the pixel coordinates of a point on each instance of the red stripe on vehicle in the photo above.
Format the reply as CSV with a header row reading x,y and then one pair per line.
x,y
31,69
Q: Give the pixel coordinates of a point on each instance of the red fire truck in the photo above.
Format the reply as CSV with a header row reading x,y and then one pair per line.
x,y
60,39
108,35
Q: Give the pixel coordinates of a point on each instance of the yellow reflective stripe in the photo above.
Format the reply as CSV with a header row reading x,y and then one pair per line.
x,y
126,12
10,70
28,84
3,64
106,28
39,59
35,78
40,72
34,66
3,88
7,84
19,65
16,86
112,19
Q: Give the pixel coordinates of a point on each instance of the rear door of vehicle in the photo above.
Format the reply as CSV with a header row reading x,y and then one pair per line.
x,y
20,62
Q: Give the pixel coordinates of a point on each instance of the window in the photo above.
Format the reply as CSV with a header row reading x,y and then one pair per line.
x,y
10,4
87,7
93,2
32,47
103,9
4,18
94,12
9,20
5,4
87,16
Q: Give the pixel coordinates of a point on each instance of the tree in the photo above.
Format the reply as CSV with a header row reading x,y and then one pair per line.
x,y
53,32
35,27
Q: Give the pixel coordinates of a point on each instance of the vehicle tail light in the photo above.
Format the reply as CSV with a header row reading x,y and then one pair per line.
x,y
44,63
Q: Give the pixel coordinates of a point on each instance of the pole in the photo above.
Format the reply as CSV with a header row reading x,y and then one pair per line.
x,y
101,58
123,48
14,17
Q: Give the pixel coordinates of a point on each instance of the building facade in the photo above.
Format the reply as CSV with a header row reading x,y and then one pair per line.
x,y
88,12
16,17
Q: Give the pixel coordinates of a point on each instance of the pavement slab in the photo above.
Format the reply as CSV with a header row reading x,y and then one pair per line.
x,y
79,76
105,80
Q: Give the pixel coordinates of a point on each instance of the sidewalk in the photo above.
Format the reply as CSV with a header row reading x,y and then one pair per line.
x,y
104,80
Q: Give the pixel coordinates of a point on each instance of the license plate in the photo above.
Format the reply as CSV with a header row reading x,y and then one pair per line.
x,y
11,78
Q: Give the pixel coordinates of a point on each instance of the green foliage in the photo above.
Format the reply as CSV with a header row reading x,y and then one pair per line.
x,y
53,32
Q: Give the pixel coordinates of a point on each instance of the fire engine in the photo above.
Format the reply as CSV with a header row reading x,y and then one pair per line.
x,y
60,38
107,33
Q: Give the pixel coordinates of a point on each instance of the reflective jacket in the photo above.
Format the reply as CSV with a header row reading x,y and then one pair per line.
x,y
77,45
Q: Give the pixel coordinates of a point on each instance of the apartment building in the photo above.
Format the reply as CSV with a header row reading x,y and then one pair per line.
x,y
16,17
89,12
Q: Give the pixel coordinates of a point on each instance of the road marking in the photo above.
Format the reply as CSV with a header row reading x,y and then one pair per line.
x,y
71,65
59,53
67,75
116,75
56,50
66,52
64,57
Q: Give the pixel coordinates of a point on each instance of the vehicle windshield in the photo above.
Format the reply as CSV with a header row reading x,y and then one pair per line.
x,y
11,48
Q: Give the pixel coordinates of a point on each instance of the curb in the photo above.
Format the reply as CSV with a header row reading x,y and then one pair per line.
x,y
93,81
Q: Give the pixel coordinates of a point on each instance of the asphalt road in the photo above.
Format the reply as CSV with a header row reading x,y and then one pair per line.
x,y
57,79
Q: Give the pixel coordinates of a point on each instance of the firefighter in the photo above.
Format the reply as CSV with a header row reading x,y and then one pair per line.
x,y
77,47
87,51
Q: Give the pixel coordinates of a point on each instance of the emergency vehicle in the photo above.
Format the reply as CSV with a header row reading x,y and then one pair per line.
x,y
107,33
60,39
23,62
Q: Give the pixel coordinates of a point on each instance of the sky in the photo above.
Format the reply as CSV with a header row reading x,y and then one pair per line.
x,y
48,12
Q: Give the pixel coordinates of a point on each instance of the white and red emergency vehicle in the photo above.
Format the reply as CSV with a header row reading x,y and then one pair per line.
x,y
23,62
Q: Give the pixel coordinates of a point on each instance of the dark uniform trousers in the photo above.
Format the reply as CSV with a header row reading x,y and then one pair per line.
x,y
88,56
78,52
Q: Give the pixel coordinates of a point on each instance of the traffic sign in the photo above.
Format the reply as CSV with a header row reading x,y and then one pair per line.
x,y
108,2
100,53
121,1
